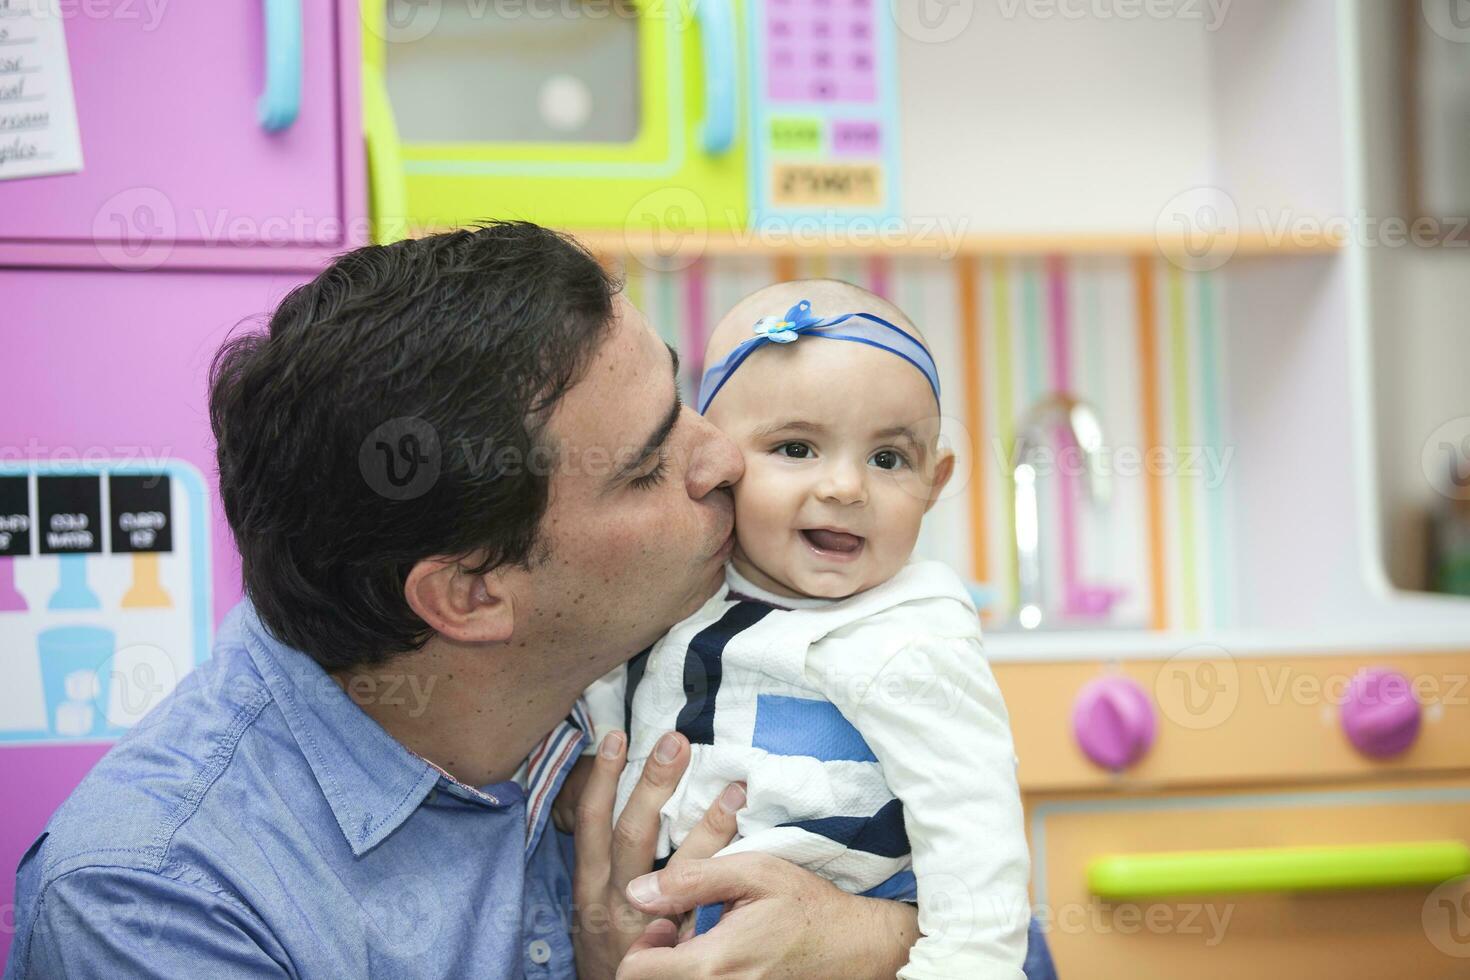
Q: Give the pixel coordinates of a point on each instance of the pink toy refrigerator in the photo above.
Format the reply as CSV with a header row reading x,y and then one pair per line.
x,y
221,166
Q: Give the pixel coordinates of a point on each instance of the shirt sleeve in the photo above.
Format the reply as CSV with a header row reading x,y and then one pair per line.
x,y
126,923
605,705
937,724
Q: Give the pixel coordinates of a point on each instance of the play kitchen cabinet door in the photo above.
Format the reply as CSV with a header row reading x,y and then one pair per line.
x,y
106,366
1126,895
218,125
105,371
1215,719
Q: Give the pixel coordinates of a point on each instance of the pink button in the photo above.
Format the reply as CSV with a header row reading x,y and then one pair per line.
x,y
856,137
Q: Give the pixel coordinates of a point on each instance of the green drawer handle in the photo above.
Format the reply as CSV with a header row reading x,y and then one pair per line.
x,y
1276,869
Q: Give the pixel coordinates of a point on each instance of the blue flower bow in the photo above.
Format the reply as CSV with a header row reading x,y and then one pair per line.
x,y
783,330
862,328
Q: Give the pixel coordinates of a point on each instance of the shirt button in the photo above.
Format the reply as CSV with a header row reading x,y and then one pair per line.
x,y
539,951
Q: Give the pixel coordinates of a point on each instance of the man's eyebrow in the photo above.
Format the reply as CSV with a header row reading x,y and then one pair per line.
x,y
659,436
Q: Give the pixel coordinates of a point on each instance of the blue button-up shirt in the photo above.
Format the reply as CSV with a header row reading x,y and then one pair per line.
x,y
259,823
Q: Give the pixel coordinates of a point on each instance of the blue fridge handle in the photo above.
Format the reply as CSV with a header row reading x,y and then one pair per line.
x,y
717,39
280,103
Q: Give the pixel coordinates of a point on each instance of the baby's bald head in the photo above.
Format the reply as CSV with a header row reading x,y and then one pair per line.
x,y
840,441
829,297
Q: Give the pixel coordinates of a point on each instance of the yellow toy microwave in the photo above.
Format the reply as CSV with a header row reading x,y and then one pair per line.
x,y
599,114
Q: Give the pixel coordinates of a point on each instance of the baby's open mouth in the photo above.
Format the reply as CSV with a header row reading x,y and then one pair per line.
x,y
835,543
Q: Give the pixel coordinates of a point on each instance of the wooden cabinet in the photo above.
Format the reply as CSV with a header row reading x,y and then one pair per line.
x,y
1230,721
1422,933
1249,754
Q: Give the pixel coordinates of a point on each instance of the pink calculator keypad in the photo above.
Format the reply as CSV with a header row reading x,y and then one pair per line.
x,y
821,51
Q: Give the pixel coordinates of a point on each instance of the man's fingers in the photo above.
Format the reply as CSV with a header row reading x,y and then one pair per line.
x,y
636,833
564,807
658,933
717,829
653,956
684,885
594,809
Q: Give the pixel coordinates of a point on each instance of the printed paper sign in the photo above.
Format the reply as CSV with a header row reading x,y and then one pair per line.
x,y
38,117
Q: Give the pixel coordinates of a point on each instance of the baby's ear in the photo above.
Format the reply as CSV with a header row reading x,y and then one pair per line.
x,y
943,470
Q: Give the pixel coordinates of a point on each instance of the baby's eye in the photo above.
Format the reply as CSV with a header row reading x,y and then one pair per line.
x,y
794,450
888,459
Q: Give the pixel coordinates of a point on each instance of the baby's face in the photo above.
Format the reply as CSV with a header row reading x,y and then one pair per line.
x,y
839,440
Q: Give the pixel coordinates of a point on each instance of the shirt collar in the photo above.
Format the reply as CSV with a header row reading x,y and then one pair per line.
x,y
547,766
370,780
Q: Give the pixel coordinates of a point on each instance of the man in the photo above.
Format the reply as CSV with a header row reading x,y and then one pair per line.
x,y
463,486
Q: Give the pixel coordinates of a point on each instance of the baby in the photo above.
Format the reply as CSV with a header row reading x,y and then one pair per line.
x,y
841,680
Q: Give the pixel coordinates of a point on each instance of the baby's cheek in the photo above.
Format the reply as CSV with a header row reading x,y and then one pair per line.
x,y
758,506
904,515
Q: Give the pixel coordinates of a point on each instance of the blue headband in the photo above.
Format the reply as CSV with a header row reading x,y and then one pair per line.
x,y
860,328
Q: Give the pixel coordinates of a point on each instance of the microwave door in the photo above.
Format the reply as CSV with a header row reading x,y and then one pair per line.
x,y
469,71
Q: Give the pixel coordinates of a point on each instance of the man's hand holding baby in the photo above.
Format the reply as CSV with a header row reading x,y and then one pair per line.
x,y
771,905
610,856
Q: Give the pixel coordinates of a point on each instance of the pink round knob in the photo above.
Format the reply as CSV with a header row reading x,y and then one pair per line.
x,y
1113,721
1380,713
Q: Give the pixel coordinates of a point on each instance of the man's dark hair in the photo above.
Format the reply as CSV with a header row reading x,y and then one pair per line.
x,y
390,414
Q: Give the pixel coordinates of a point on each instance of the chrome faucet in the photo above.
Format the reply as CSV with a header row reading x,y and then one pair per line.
x,y
1079,421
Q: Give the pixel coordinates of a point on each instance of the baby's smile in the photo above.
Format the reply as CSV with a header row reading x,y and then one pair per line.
x,y
832,543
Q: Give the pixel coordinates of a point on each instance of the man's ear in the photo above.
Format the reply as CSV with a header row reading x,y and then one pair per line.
x,y
460,606
943,470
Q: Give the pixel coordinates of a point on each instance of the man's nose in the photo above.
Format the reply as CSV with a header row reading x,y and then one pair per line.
x,y
716,462
843,483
